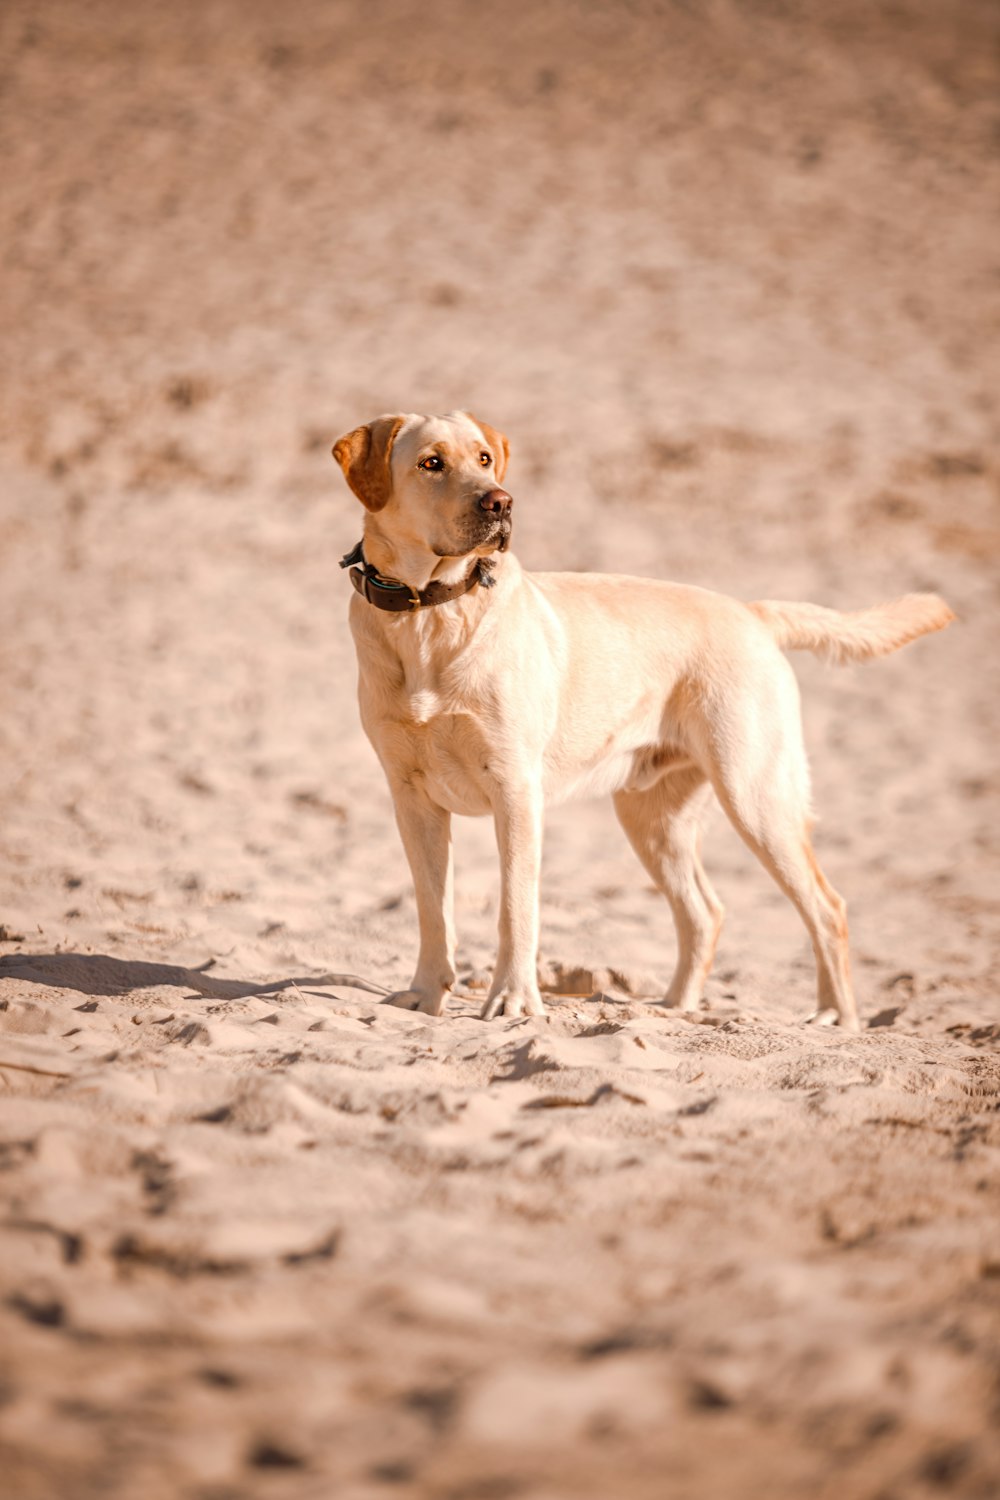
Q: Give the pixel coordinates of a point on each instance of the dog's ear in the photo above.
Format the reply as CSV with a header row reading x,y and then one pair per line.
x,y
364,457
497,442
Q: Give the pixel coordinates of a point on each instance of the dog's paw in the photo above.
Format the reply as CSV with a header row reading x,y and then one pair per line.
x,y
512,1003
831,1017
431,1005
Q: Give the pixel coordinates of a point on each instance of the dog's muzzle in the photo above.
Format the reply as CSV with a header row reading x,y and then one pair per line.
x,y
498,506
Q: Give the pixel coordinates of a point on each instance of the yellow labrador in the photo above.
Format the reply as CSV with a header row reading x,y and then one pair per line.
x,y
488,690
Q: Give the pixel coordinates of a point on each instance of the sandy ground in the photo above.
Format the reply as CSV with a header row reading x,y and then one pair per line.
x,y
728,277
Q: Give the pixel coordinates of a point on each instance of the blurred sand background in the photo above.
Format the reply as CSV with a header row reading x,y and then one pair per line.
x,y
728,275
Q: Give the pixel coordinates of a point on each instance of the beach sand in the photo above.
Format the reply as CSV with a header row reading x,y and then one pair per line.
x,y
727,277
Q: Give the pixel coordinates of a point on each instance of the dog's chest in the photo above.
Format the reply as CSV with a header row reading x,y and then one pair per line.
x,y
444,733
424,687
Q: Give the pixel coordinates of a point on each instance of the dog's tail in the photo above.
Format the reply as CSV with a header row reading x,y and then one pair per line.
x,y
857,636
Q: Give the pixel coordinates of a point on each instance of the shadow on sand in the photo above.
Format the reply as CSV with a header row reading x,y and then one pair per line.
x,y
97,974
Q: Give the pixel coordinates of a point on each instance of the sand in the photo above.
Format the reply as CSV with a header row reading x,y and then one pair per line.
x,y
727,278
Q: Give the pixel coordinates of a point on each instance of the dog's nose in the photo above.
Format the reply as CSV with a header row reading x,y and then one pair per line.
x,y
495,500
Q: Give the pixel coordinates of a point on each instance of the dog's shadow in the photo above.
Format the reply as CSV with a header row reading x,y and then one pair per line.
x,y
99,974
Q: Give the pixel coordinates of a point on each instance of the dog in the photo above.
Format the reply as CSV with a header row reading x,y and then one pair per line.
x,y
487,690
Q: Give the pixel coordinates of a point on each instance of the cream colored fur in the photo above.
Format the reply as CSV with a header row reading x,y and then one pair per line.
x,y
552,685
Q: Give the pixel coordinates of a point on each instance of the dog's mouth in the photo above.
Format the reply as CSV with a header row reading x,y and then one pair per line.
x,y
479,533
484,535
504,529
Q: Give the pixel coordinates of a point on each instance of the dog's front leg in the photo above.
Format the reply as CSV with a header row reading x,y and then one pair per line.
x,y
517,813
425,830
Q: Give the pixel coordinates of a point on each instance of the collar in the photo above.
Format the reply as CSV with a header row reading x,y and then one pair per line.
x,y
390,594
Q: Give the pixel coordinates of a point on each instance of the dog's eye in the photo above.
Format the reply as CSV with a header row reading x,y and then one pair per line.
x,y
432,465
485,459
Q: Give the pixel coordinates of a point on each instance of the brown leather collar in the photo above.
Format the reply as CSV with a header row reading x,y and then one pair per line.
x,y
389,593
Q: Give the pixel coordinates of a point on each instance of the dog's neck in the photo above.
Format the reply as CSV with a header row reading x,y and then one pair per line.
x,y
411,563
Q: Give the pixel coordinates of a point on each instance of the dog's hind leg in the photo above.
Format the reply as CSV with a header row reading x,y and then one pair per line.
x,y
757,760
663,824
786,853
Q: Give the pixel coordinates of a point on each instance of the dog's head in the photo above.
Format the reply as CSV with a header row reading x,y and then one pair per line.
x,y
433,481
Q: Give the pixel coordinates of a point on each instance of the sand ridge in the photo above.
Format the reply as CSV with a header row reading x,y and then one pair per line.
x,y
340,1219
